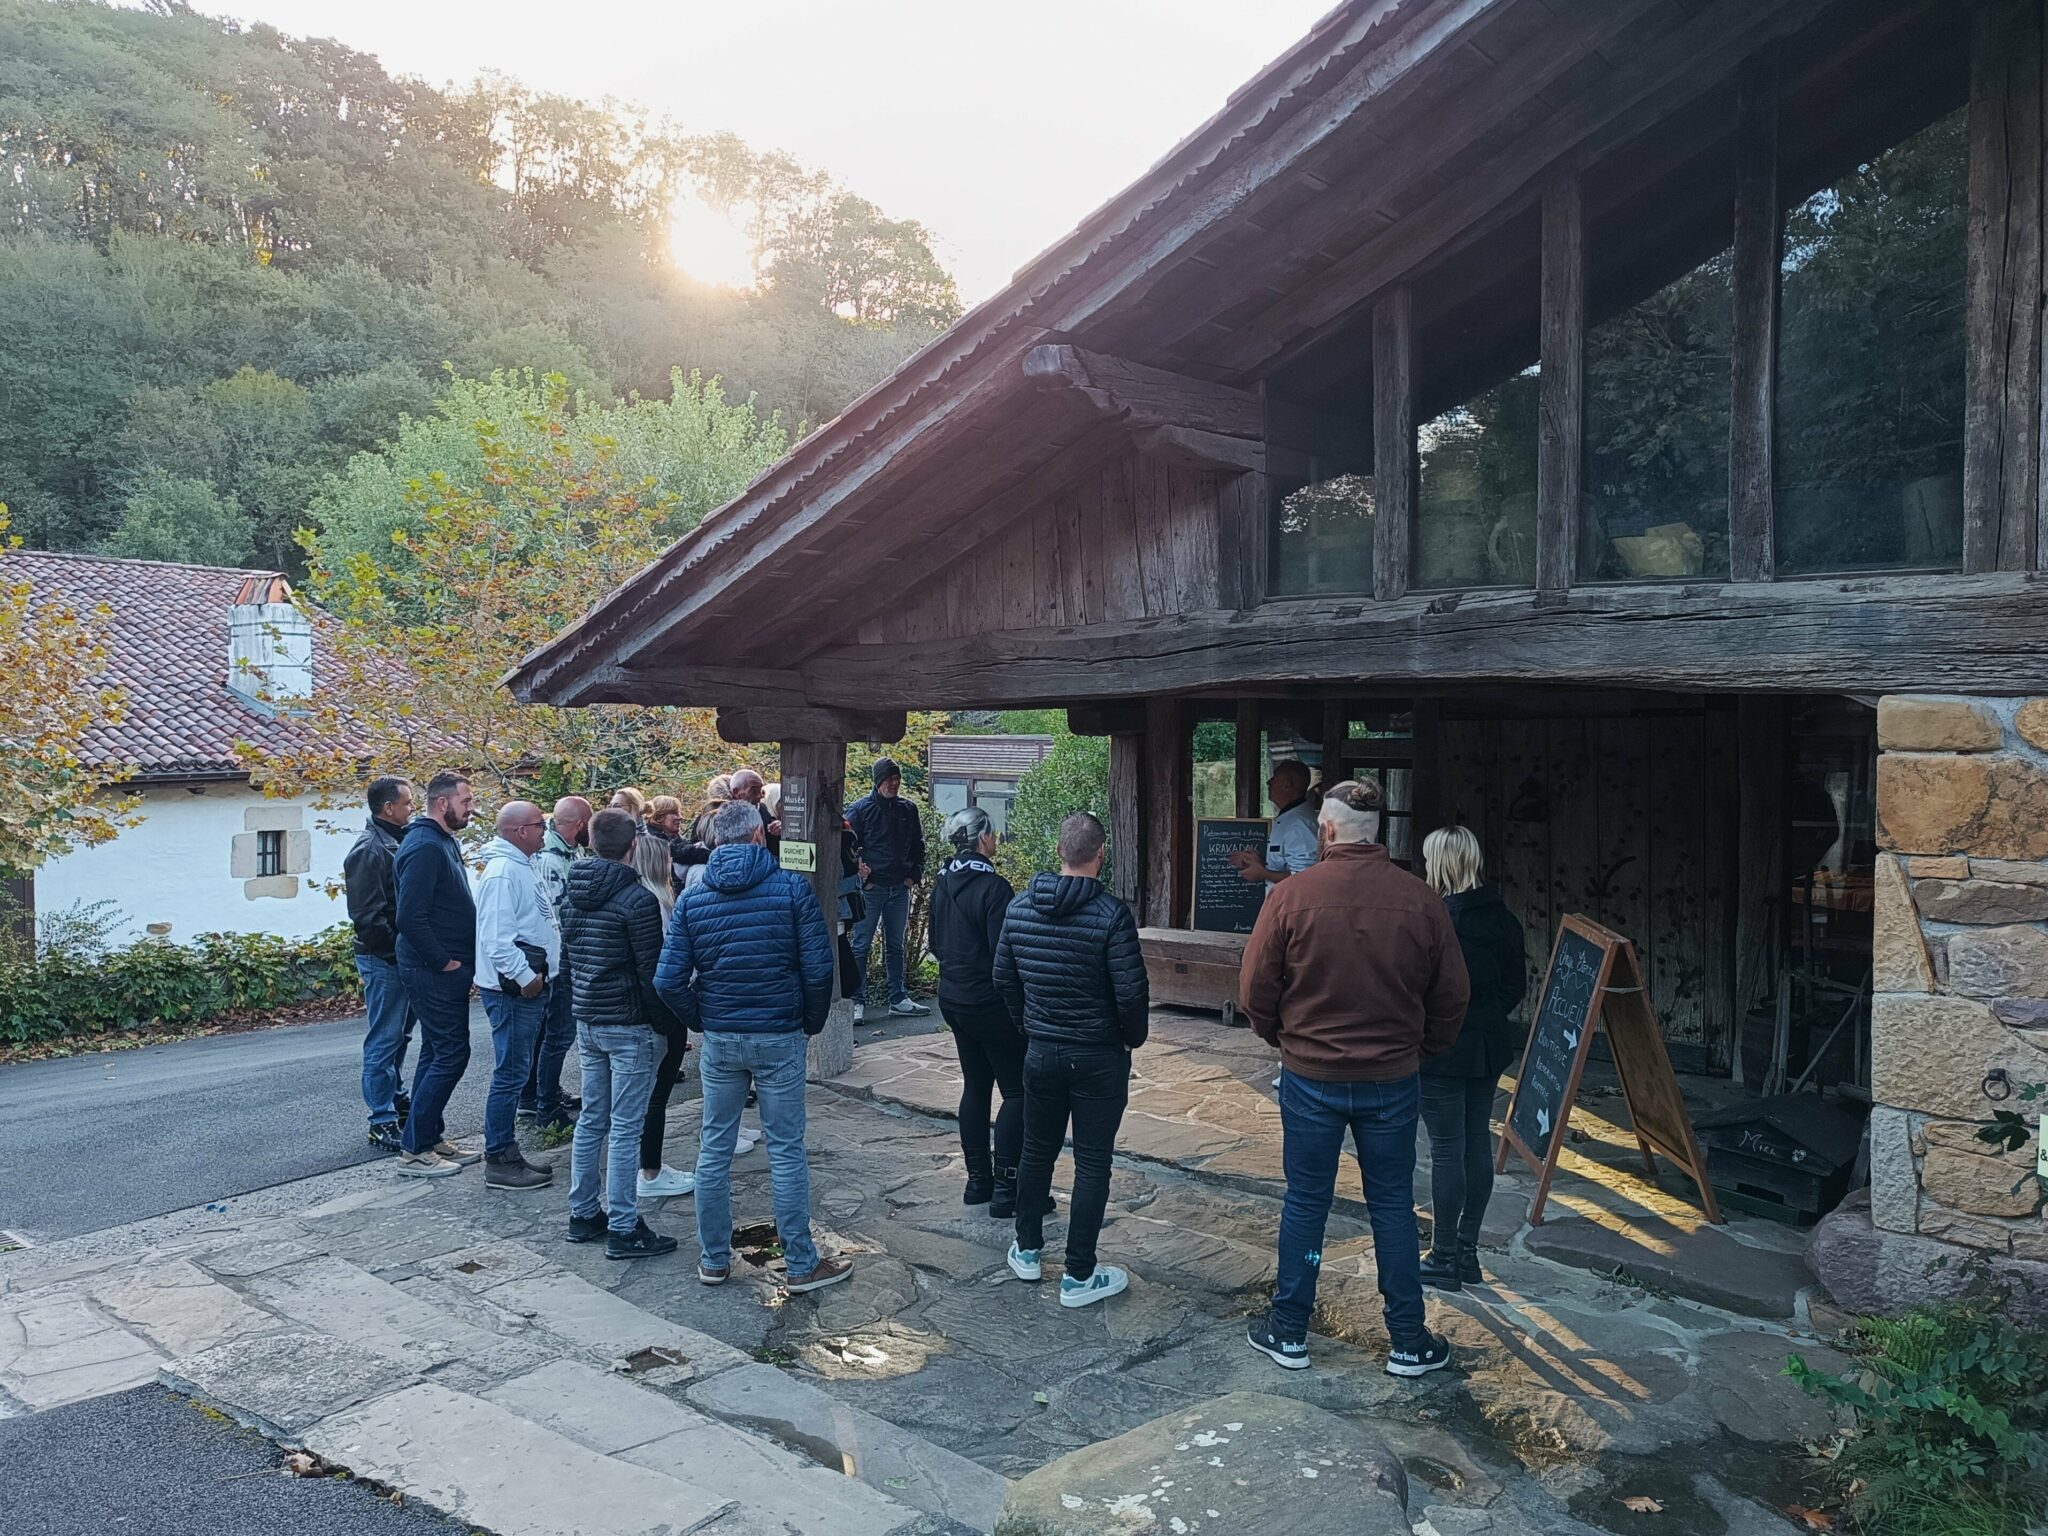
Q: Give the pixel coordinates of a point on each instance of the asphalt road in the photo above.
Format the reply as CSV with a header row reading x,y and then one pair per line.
x,y
146,1463
95,1141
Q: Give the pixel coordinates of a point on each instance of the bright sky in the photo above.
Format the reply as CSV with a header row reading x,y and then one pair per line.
x,y
999,125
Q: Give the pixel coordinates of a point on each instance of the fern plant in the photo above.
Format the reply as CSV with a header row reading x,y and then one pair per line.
x,y
1950,1406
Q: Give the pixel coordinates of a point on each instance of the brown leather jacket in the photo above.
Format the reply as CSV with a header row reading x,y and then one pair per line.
x,y
1353,970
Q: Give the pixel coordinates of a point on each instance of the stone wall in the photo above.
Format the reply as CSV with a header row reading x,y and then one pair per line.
x,y
1961,966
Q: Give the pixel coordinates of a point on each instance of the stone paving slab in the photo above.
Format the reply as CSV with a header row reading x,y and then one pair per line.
x,y
179,1308
56,1350
908,1467
600,1410
282,1384
604,1326
335,1297
478,1462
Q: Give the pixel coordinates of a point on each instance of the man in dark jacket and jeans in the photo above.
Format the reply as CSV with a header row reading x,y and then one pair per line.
x,y
373,913
437,964
611,931
748,963
1069,968
969,900
1353,971
891,867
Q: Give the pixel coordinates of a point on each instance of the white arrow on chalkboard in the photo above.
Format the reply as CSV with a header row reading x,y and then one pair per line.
x,y
1571,1040
1542,1121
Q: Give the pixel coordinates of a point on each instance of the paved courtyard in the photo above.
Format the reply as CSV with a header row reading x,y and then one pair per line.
x,y
439,1338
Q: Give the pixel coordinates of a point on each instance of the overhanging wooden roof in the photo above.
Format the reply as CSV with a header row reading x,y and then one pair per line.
x,y
1224,288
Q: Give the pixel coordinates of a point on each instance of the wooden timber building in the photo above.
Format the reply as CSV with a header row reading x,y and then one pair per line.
x,y
1576,412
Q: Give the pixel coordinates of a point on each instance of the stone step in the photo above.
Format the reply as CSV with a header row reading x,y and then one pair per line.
x,y
893,1460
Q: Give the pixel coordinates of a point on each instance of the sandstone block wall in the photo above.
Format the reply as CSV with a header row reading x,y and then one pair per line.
x,y
1961,965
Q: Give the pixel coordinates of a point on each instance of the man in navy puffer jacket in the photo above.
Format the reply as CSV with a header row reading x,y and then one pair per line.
x,y
1069,967
748,963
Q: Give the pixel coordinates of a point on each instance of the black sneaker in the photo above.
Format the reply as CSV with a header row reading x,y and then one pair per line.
x,y
1431,1353
1002,1202
515,1172
586,1229
642,1243
1288,1354
1440,1269
981,1189
386,1138
1468,1264
403,1104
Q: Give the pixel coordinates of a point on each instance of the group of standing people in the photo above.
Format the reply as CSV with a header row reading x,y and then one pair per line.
x,y
1386,995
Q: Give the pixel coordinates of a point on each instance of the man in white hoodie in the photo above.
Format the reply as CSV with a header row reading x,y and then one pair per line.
x,y
518,951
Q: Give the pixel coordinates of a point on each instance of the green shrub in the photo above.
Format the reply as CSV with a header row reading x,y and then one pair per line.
x,y
78,988
1951,1408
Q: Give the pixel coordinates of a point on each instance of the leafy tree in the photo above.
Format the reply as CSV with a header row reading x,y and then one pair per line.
x,y
478,574
54,794
174,517
1074,776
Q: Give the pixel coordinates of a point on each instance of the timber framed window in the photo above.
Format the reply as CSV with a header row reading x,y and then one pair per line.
x,y
1323,536
1475,522
269,854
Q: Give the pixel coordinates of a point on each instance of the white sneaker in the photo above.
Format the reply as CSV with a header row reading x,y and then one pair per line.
x,y
669,1181
748,1140
1107,1281
905,1008
1025,1266
860,1011
456,1152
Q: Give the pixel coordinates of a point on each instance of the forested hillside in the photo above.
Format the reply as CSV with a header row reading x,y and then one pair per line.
x,y
232,261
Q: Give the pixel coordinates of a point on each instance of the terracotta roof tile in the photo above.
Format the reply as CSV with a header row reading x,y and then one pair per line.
x,y
169,650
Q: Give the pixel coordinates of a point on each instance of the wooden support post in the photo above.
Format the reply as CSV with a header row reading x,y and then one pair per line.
x,y
1251,759
1720,820
1427,776
1759,228
1561,414
2002,307
1167,792
813,806
1760,738
1127,819
1336,731
1393,440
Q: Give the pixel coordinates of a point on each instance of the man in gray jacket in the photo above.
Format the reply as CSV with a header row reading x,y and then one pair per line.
x,y
542,1100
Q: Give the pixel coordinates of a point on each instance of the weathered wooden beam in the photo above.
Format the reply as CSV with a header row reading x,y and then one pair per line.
x,y
1393,440
808,722
2002,307
1166,765
1148,397
1251,759
1122,717
1967,634
681,685
1759,232
1561,408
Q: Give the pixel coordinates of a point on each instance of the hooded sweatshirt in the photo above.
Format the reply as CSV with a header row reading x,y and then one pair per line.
x,y
436,913
1069,967
512,910
747,950
968,902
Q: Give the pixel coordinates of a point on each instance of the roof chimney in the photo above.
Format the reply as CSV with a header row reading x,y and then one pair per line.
x,y
270,645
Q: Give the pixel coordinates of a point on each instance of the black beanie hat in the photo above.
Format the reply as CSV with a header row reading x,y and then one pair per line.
x,y
885,768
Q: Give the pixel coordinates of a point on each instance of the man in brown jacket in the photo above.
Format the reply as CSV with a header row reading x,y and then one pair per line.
x,y
1354,971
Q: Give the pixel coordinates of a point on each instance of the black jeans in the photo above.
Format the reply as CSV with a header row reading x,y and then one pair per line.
x,y
991,1051
850,977
1457,1111
1091,1085
655,1126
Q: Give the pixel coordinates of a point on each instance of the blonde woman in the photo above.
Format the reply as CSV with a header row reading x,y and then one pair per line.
x,y
1458,1085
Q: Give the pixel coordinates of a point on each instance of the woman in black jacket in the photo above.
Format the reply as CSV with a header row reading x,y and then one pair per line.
x,y
968,902
1458,1085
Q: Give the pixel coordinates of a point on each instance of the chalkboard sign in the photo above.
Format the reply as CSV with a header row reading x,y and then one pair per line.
x,y
1594,980
1226,902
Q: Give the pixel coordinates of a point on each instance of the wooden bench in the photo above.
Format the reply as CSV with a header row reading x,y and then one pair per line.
x,y
1193,970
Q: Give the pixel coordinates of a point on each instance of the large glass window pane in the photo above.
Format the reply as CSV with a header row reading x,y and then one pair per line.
x,y
1656,475
1323,538
1476,517
1869,444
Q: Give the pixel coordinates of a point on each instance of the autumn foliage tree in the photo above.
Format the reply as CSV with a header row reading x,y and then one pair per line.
x,y
55,791
484,569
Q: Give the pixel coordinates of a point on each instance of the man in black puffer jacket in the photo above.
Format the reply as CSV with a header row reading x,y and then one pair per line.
x,y
612,935
969,900
1069,968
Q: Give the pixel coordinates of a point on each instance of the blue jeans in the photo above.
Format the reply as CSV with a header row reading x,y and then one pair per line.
x,y
440,1001
385,1038
618,1075
1381,1118
774,1064
516,1024
543,1089
888,905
